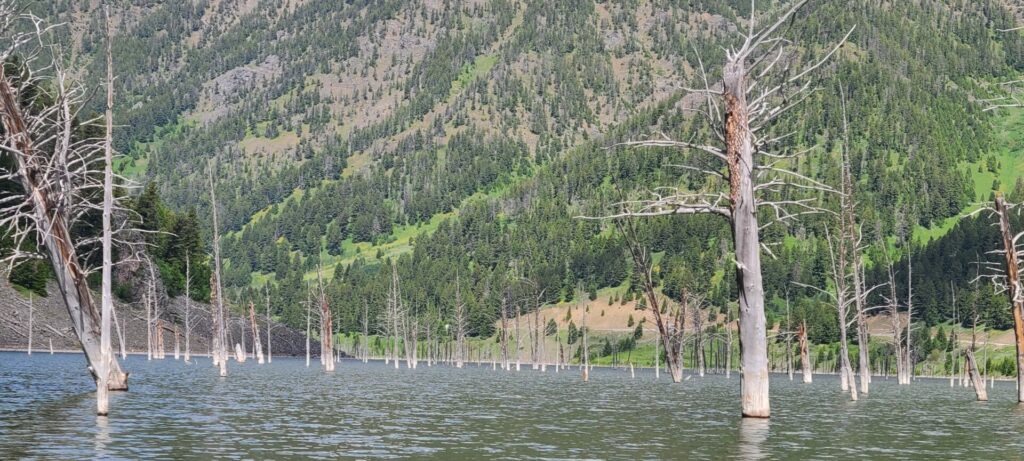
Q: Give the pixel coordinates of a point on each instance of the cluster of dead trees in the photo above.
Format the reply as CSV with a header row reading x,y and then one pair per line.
x,y
66,178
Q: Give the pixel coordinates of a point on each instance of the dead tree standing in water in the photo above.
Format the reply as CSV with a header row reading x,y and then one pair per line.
x,y
256,346
58,174
1010,282
669,329
805,360
326,326
220,345
755,92
461,323
270,326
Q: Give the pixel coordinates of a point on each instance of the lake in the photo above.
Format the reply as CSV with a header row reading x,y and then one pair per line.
x,y
372,411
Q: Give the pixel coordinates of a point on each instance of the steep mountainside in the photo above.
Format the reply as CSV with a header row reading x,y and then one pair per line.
x,y
465,135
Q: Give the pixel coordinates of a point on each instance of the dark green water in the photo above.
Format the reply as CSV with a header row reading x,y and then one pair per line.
x,y
284,410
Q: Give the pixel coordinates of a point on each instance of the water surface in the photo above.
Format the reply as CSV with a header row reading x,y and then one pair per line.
x,y
372,411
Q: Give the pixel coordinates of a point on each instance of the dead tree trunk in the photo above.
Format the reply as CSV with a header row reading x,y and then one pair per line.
x,y
740,158
667,332
256,346
908,357
519,342
504,334
52,222
366,332
585,347
460,326
71,279
1013,285
326,327
805,360
220,346
30,305
188,307
270,351
309,305
103,367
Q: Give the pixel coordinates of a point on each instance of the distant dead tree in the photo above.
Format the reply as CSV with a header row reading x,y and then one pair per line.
x,y
669,327
762,79
461,324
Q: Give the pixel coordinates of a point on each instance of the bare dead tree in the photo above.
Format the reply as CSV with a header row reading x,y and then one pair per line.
x,y
584,343
892,309
1009,279
326,325
669,329
757,86
39,107
461,321
270,325
309,306
519,337
851,233
366,332
805,359
188,307
220,345
256,344
504,333
843,300
972,364
30,318
697,321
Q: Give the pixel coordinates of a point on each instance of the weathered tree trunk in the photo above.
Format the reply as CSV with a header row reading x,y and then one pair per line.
x,y
366,332
188,307
908,357
30,305
585,348
1015,290
270,350
103,367
309,304
122,343
976,379
504,334
753,331
519,338
805,359
220,346
256,346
